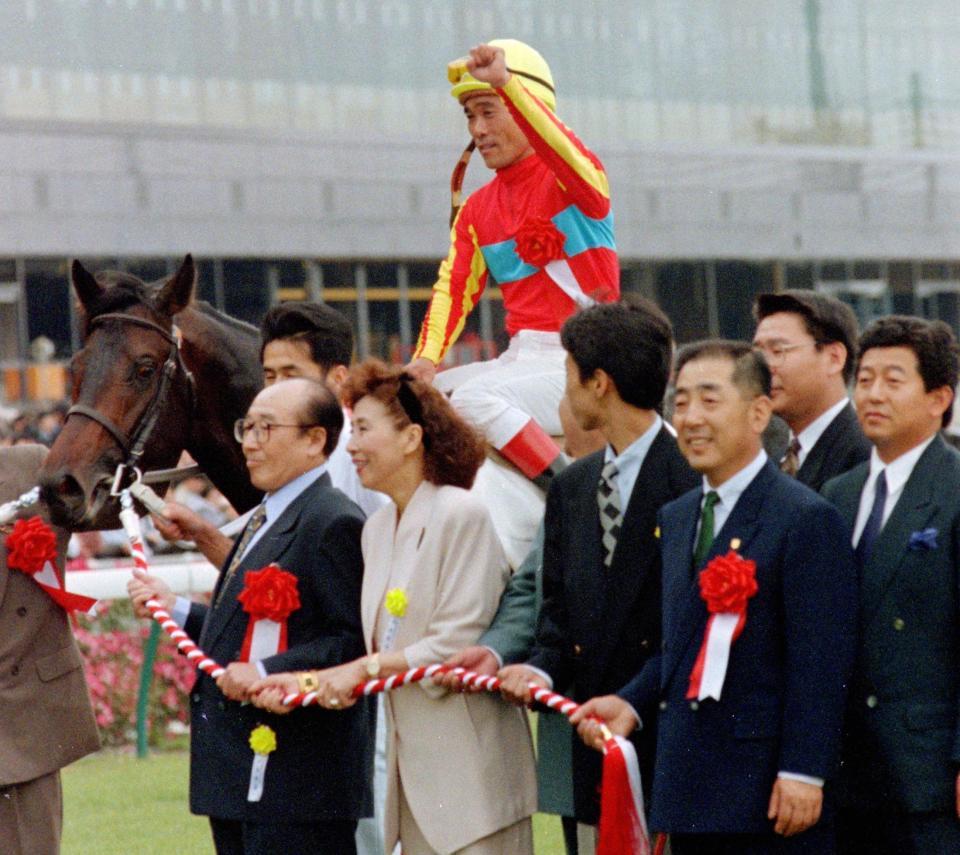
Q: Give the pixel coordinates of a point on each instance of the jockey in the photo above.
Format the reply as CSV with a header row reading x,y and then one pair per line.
x,y
542,230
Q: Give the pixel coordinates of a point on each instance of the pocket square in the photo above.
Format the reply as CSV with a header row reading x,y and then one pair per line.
x,y
926,539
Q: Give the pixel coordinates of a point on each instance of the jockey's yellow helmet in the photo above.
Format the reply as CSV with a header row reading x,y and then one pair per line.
x,y
522,60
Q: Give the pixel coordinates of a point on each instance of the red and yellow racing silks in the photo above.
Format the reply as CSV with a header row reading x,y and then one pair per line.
x,y
563,182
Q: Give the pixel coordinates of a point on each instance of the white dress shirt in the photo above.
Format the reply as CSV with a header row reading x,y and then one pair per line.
x,y
729,492
809,436
897,473
630,460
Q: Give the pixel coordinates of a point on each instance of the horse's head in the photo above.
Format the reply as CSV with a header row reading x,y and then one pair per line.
x,y
132,394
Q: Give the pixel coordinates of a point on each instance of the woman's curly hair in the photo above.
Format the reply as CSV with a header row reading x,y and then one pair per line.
x,y
452,450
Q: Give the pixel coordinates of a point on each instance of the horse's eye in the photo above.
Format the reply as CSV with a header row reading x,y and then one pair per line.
x,y
145,371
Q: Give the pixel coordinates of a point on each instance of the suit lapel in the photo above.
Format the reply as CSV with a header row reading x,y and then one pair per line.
x,y
271,544
846,496
676,543
742,525
399,561
590,582
826,446
917,504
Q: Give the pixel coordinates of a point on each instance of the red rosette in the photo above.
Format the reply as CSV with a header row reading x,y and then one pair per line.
x,y
727,582
269,594
30,545
539,242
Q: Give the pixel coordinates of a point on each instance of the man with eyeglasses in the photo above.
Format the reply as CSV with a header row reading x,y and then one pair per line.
x,y
309,529
810,341
298,339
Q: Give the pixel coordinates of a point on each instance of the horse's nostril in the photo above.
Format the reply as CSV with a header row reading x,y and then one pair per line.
x,y
68,486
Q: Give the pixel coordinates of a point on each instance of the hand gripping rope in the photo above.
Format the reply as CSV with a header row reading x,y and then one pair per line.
x,y
623,829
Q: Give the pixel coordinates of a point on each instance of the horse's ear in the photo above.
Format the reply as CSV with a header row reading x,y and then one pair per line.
x,y
87,288
176,293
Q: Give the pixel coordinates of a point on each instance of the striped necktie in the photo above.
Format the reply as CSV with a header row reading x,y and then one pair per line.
x,y
256,521
611,510
791,460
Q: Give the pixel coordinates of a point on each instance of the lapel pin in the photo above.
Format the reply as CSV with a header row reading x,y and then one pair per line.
x,y
656,532
735,543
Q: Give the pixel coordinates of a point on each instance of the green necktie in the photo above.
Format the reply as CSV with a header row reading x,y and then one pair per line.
x,y
705,538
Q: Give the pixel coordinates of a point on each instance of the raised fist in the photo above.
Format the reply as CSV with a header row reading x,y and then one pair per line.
x,y
488,64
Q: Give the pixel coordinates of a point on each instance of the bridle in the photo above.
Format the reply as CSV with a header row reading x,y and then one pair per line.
x,y
134,446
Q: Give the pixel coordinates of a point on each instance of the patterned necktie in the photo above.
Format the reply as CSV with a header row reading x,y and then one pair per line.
x,y
705,538
611,510
257,520
791,460
874,522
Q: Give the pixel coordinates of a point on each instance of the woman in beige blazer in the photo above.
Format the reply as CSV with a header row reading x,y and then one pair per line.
x,y
460,768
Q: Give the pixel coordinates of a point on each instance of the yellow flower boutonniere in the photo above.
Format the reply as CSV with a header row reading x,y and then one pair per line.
x,y
263,740
656,532
396,602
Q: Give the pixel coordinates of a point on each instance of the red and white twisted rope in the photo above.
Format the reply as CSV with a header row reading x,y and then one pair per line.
x,y
185,645
631,836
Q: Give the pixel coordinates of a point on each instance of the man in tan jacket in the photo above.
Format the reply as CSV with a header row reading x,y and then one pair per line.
x,y
46,720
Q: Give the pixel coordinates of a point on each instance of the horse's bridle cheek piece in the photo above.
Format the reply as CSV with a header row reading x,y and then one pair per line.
x,y
133,448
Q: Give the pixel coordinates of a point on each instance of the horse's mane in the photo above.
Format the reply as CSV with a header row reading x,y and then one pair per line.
x,y
205,308
124,291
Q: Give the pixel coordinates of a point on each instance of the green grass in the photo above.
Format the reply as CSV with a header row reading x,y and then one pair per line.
x,y
115,804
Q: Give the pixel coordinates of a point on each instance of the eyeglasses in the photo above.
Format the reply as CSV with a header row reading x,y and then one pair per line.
x,y
261,430
776,353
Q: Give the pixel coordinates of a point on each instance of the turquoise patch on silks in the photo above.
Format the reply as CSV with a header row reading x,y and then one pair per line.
x,y
582,233
504,264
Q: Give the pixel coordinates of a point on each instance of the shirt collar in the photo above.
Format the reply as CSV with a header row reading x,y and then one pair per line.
x,y
898,471
811,434
731,489
279,500
637,450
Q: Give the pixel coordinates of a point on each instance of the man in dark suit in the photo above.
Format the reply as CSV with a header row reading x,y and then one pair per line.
x,y
743,750
46,720
317,781
600,618
899,787
810,343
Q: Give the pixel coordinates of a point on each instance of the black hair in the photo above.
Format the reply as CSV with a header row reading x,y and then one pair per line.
x,y
751,374
933,342
630,341
324,330
827,319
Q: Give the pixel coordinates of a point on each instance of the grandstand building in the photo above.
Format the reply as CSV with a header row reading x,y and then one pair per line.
x,y
303,148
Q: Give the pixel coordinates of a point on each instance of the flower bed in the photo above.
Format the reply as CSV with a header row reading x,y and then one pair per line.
x,y
112,645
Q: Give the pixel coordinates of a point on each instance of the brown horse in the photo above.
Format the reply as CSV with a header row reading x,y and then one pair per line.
x,y
158,373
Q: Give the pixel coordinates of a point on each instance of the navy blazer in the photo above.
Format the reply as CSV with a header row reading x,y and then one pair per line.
x,y
321,769
903,728
782,703
598,625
